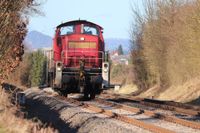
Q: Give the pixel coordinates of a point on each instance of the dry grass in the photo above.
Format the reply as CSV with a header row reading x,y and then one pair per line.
x,y
10,123
127,89
187,92
167,59
168,43
122,74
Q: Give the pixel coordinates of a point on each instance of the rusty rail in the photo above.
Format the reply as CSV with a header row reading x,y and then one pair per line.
x,y
186,123
123,118
173,103
155,105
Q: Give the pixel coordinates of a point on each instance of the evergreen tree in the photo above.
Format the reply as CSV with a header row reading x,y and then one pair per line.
x,y
37,76
120,50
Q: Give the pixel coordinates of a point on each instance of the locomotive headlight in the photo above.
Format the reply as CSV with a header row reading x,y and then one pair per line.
x,y
105,65
105,68
59,68
82,38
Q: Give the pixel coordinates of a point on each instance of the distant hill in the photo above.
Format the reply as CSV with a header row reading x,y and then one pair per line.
x,y
37,40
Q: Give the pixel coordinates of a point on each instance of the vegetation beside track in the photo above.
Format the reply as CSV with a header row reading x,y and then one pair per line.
x,y
31,71
12,120
167,54
123,74
13,24
14,17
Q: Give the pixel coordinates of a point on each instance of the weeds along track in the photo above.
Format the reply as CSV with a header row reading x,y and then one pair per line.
x,y
180,108
148,120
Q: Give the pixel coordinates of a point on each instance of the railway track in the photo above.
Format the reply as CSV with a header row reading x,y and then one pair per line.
x,y
135,122
95,106
152,114
164,105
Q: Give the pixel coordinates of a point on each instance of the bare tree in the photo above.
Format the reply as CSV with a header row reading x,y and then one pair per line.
x,y
166,35
13,22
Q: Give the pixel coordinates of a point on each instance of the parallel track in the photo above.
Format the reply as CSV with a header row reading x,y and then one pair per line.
x,y
135,122
179,108
152,114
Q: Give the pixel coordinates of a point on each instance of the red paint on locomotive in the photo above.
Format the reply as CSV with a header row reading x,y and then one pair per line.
x,y
79,40
80,61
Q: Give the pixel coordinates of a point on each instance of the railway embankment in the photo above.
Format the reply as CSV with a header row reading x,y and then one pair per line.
x,y
13,118
67,117
75,115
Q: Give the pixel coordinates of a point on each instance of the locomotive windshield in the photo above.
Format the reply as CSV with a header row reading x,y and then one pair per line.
x,y
67,30
90,30
79,29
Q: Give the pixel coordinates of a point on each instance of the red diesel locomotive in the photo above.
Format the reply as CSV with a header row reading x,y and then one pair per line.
x,y
80,63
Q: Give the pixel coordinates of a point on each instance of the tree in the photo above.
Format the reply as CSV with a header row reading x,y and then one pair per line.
x,y
120,50
37,74
167,39
13,25
31,71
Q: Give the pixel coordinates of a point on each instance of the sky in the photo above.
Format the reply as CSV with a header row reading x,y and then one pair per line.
x,y
113,15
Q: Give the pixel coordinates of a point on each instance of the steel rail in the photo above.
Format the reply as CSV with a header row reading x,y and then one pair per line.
x,y
155,105
135,122
168,118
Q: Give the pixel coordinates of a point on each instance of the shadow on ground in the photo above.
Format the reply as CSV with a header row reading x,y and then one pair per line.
x,y
39,112
35,109
195,102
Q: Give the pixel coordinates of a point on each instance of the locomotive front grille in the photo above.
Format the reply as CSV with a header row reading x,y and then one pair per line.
x,y
82,45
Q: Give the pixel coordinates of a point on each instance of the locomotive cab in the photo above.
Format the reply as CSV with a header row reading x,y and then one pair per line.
x,y
80,62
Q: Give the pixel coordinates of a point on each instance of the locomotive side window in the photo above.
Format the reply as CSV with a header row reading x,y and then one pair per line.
x,y
67,30
90,30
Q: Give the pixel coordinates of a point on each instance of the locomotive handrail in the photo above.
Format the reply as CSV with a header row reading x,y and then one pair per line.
x,y
82,51
52,61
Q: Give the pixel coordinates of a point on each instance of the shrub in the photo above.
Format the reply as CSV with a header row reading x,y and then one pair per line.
x,y
31,71
37,73
167,42
13,25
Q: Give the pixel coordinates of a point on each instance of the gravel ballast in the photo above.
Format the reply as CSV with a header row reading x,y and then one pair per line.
x,y
66,117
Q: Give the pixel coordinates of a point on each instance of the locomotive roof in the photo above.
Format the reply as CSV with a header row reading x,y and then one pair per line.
x,y
78,22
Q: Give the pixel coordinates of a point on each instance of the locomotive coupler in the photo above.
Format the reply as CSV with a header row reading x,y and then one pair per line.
x,y
82,76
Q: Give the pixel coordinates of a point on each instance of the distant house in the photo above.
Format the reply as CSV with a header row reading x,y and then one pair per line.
x,y
48,52
119,59
124,61
114,53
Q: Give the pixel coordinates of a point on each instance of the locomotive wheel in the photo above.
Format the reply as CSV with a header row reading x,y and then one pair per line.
x,y
89,96
92,93
63,93
86,96
60,92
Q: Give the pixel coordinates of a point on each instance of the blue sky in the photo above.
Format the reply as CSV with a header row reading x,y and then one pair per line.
x,y
113,15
